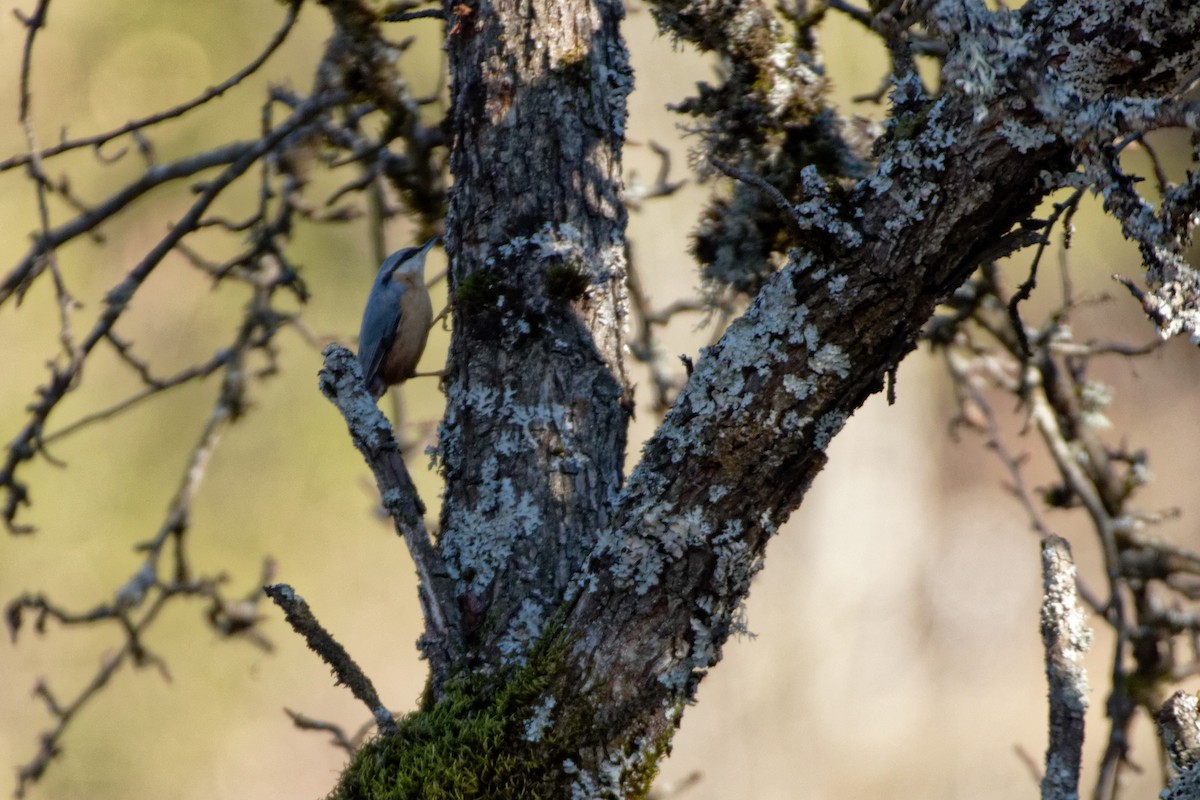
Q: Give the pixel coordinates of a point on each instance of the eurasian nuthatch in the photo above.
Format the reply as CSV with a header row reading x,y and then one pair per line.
x,y
396,320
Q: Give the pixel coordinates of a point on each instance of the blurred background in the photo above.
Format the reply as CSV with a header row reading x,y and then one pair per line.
x,y
896,649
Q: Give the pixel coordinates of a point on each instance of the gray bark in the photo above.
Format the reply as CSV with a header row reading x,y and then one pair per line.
x,y
533,442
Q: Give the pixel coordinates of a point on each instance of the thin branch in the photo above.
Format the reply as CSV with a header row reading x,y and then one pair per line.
x,y
977,412
306,723
636,193
1030,283
179,513
1066,638
132,650
408,16
319,640
920,45
643,345
761,184
220,359
100,139
29,441
32,24
341,382
1064,405
27,269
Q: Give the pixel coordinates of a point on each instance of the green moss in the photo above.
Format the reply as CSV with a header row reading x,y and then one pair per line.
x,y
638,781
567,282
910,126
473,743
479,292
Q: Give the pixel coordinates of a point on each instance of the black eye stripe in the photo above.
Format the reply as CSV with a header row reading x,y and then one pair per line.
x,y
398,258
402,256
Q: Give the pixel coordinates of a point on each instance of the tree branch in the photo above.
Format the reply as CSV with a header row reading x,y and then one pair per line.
x,y
341,382
321,642
30,439
748,434
1066,638
100,139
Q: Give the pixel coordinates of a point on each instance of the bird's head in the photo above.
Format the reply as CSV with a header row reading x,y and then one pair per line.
x,y
406,262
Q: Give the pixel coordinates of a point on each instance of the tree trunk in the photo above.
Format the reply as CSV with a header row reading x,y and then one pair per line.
x,y
533,442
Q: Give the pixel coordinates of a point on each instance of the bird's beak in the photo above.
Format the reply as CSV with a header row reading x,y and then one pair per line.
x,y
425,248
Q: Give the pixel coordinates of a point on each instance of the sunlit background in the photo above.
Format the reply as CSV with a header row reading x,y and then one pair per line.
x,y
896,650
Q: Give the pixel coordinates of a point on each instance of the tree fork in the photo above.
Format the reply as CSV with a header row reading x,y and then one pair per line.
x,y
654,572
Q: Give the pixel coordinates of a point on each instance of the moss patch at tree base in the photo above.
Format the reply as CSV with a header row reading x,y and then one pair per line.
x,y
488,736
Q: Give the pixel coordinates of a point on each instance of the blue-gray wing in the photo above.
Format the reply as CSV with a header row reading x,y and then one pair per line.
x,y
381,319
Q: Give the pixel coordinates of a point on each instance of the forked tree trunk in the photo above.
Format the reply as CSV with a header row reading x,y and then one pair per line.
x,y
580,609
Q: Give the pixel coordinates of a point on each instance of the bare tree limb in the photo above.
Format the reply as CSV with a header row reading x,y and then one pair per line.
x,y
1066,638
30,440
348,673
341,382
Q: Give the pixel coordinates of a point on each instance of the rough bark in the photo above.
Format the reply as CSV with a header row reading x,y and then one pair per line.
x,y
747,436
1066,638
532,446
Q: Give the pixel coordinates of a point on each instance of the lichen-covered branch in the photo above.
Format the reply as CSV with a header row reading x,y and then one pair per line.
x,y
571,612
741,446
1179,726
1040,367
321,642
1065,637
341,381
769,114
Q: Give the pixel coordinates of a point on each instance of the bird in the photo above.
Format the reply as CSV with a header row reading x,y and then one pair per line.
x,y
396,320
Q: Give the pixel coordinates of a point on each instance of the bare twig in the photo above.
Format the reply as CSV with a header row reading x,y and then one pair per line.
x,y
1065,408
27,269
644,344
29,441
408,16
1027,286
348,674
100,139
156,386
306,723
283,153
774,195
33,23
636,192
133,650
